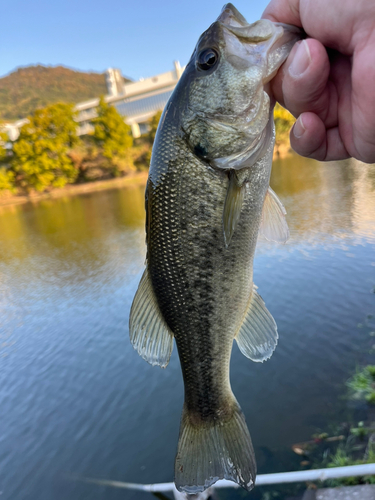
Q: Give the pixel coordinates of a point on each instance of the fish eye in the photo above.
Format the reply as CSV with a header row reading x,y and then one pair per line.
x,y
207,59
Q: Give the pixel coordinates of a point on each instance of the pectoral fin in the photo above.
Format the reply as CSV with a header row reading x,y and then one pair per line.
x,y
257,337
232,206
274,226
149,333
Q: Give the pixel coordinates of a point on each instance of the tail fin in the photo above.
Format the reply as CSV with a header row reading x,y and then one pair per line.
x,y
212,451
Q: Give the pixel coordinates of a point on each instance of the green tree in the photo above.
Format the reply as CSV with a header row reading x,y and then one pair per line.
x,y
283,123
3,140
154,122
6,180
40,154
6,176
150,138
111,133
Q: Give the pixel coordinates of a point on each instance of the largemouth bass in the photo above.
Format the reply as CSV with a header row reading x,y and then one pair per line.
x,y
206,198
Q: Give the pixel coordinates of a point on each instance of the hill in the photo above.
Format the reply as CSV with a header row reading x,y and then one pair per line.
x,y
28,88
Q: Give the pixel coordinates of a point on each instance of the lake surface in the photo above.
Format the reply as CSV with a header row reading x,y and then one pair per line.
x,y
75,398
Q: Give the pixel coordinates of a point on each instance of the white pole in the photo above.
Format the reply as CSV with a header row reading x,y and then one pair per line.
x,y
261,480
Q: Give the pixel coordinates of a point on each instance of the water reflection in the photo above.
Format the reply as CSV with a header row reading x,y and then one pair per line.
x,y
333,198
57,228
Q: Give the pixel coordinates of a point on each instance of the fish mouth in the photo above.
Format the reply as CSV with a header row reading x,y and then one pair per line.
x,y
282,43
230,16
261,42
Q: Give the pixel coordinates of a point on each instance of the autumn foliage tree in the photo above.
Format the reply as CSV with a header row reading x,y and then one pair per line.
x,y
111,133
40,154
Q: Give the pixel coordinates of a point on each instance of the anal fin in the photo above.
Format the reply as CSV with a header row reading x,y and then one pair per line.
x,y
257,337
149,334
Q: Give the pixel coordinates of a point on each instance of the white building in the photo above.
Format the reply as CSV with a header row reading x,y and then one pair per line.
x,y
137,101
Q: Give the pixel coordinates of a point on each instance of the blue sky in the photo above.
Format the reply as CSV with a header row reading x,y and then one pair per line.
x,y
141,37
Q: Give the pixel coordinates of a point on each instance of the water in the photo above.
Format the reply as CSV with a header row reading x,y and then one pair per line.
x,y
76,400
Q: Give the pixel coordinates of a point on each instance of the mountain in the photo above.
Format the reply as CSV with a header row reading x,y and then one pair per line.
x,y
28,88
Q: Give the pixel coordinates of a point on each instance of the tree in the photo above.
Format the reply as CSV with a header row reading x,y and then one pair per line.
x,y
111,133
40,154
154,122
3,140
153,126
6,180
283,123
6,176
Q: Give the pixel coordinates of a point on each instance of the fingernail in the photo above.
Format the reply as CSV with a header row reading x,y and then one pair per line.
x,y
299,128
301,60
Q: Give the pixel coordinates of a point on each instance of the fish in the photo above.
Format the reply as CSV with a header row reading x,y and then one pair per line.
x,y
207,198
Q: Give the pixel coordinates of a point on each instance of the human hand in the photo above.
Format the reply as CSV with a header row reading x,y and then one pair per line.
x,y
332,94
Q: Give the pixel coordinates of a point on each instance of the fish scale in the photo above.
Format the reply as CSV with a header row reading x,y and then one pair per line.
x,y
194,264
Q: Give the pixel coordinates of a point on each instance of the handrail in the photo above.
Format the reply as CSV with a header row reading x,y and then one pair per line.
x,y
261,480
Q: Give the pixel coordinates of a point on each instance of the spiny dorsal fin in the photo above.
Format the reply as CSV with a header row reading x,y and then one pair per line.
x,y
257,337
232,206
149,333
274,226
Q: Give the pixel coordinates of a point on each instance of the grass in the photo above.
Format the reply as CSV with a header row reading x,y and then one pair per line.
x,y
362,384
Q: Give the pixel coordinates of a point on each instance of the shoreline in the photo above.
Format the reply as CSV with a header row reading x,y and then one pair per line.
x,y
136,178
74,189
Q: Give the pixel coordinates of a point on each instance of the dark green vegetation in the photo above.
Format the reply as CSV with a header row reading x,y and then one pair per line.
x,y
351,444
347,444
27,89
362,384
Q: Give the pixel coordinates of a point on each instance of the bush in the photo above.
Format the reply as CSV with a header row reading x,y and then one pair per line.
x,y
362,384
